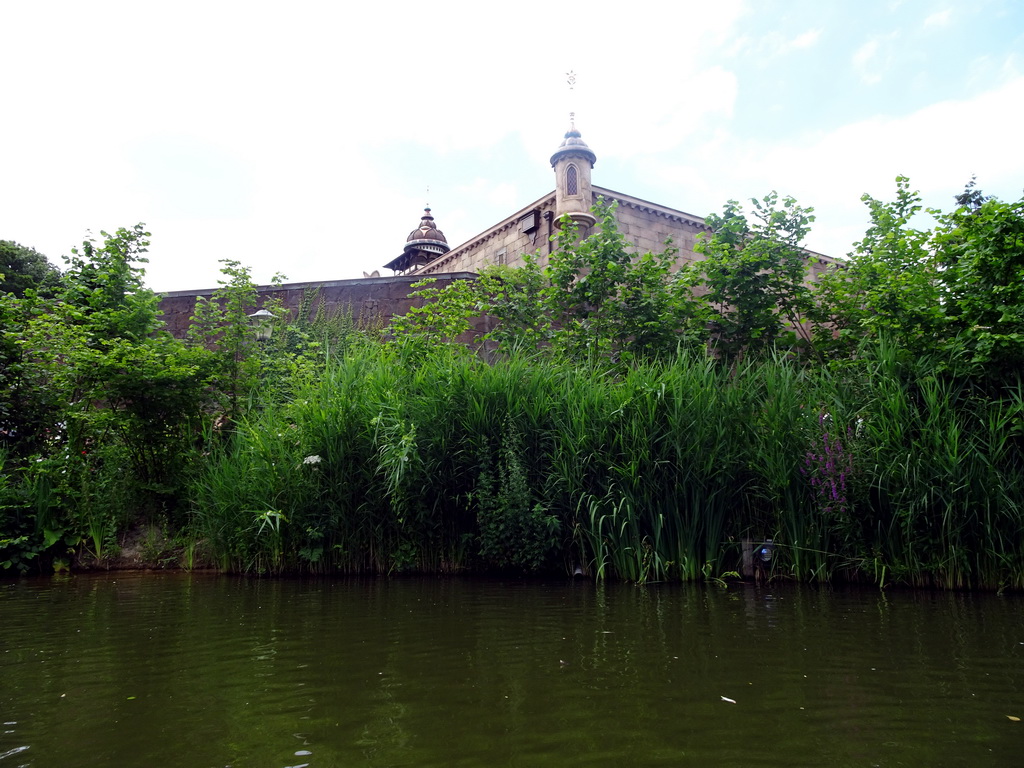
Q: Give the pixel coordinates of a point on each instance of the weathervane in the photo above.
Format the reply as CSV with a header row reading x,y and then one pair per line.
x,y
570,79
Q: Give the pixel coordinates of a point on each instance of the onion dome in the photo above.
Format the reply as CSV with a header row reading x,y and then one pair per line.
x,y
427,235
424,244
573,144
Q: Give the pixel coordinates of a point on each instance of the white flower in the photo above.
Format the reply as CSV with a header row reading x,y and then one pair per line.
x,y
311,460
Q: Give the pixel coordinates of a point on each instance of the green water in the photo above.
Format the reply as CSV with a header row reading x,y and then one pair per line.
x,y
195,670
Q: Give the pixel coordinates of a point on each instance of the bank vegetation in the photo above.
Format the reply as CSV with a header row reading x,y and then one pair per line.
x,y
625,417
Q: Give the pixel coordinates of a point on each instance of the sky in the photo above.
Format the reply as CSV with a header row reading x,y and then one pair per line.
x,y
304,138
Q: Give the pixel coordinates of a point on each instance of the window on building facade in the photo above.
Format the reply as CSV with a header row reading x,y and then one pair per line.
x,y
572,185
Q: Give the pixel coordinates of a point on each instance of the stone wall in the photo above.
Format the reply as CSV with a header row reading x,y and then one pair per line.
x,y
377,299
371,300
526,231
648,226
644,224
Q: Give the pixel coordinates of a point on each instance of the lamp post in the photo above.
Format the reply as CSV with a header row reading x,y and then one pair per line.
x,y
262,323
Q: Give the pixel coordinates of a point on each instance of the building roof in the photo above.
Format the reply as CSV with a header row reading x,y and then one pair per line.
x,y
424,244
547,201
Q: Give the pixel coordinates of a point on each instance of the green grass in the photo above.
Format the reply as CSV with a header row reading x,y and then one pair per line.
x,y
648,474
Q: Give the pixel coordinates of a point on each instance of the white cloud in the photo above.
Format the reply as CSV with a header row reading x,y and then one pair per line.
x,y
1011,66
928,145
806,39
863,60
685,106
939,18
773,44
302,140
873,60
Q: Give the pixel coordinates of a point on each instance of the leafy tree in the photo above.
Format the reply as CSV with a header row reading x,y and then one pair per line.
x,y
443,315
133,394
27,411
221,325
754,272
889,287
971,198
124,396
607,300
103,291
954,292
513,298
979,250
23,268
596,299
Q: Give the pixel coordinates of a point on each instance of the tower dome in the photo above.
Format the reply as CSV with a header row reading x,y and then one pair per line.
x,y
424,244
573,144
427,233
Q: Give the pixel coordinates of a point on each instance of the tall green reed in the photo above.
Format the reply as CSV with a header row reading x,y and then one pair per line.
x,y
440,461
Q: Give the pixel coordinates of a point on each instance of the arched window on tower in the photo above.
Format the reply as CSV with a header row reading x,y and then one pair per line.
x,y
572,183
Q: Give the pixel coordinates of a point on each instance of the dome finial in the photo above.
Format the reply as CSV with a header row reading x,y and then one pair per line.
x,y
572,133
570,79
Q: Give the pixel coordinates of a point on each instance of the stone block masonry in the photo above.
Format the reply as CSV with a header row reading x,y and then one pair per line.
x,y
373,300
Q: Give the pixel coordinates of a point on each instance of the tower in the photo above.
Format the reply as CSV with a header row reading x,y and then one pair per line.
x,y
572,163
424,244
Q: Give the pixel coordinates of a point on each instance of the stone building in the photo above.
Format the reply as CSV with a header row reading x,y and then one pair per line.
x,y
529,230
646,225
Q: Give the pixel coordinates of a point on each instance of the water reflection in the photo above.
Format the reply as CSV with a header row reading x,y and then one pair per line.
x,y
173,670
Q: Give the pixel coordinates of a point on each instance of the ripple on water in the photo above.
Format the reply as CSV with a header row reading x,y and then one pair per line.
x,y
173,670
